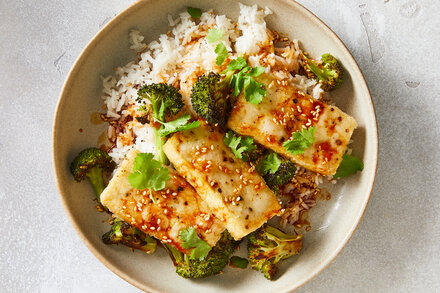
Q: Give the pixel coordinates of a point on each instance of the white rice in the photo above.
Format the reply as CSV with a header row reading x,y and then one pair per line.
x,y
184,54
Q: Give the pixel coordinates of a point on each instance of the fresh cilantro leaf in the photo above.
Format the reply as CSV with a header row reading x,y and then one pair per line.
x,y
214,34
242,80
194,12
237,64
270,164
148,173
253,90
301,140
222,53
256,71
349,165
238,262
180,124
190,239
239,145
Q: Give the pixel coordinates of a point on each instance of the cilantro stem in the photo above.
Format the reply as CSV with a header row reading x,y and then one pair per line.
x,y
151,195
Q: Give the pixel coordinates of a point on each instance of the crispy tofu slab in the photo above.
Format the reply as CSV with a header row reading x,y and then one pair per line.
x,y
177,207
234,191
285,110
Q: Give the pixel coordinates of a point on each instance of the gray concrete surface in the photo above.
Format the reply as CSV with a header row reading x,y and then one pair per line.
x,y
396,247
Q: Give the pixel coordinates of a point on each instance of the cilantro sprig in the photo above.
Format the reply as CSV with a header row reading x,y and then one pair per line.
x,y
214,34
349,165
300,141
222,53
194,12
270,164
241,78
180,124
239,145
190,239
148,174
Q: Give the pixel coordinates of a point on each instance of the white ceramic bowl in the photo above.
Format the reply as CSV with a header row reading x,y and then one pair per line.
x,y
333,222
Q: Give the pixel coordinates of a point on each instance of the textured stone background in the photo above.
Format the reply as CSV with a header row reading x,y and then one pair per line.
x,y
396,247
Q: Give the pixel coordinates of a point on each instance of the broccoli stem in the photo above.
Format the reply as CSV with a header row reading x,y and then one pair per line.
x,y
159,140
177,255
95,177
159,115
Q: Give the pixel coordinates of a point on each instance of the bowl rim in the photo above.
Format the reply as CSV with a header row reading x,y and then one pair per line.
x,y
57,168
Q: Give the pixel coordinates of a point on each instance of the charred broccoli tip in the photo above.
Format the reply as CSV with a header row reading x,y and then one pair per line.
x,y
213,263
90,163
123,233
268,245
159,93
284,174
209,98
328,71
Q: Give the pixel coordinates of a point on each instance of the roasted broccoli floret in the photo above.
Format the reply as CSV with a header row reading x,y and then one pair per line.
x,y
284,174
328,71
213,263
268,245
165,100
256,154
123,233
210,98
162,94
91,163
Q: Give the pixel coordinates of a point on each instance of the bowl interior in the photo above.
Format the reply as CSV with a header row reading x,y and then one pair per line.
x,y
333,221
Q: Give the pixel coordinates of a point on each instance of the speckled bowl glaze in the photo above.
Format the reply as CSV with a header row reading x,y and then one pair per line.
x,y
333,221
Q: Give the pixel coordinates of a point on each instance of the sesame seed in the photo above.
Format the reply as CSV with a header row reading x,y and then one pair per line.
x,y
197,147
165,211
158,221
197,154
152,228
212,147
158,229
237,171
174,194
